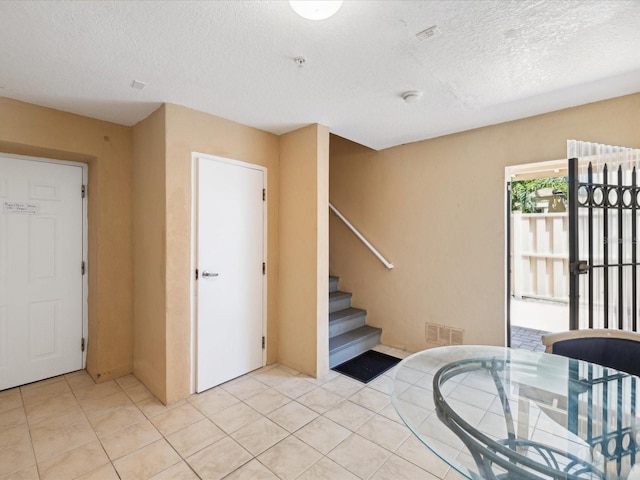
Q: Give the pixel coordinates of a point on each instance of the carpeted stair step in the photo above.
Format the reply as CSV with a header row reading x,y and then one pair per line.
x,y
344,320
333,284
339,301
352,343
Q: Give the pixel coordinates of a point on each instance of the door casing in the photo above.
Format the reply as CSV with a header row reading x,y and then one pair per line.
x,y
194,243
85,238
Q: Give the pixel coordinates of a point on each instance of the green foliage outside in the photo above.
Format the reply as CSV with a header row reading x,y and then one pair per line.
x,y
523,198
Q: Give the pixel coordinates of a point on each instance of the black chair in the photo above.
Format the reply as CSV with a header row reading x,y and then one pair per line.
x,y
616,349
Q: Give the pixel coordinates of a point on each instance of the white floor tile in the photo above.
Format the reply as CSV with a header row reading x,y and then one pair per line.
x,y
273,423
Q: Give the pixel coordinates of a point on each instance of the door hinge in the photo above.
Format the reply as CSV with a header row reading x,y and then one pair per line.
x,y
263,342
264,268
196,273
82,268
264,194
83,191
82,344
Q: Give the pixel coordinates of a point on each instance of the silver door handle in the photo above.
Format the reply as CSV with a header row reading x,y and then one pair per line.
x,y
206,274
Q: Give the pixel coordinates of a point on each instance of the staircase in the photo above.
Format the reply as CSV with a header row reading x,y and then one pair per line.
x,y
349,336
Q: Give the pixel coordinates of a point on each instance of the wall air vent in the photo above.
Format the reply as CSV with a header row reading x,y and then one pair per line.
x,y
428,33
443,335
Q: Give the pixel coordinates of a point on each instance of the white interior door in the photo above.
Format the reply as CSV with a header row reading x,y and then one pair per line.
x,y
41,283
231,283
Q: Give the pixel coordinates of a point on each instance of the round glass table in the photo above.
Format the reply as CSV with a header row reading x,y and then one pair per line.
x,y
494,413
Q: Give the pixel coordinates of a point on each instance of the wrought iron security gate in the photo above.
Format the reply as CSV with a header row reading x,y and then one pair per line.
x,y
603,256
604,204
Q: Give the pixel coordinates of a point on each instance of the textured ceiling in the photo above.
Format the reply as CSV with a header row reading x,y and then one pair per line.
x,y
494,61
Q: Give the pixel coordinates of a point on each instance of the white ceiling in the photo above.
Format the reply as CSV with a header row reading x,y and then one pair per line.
x,y
494,61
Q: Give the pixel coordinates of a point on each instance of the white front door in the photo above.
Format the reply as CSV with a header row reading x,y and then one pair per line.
x,y
231,283
41,283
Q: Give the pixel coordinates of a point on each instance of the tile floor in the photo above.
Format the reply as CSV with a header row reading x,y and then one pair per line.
x,y
273,423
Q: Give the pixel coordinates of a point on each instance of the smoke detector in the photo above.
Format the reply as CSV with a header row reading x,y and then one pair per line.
x,y
412,96
138,85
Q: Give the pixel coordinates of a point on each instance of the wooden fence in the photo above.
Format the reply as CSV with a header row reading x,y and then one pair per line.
x,y
540,256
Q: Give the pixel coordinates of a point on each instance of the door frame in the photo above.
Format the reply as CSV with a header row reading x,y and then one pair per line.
x,y
194,254
513,173
508,270
85,237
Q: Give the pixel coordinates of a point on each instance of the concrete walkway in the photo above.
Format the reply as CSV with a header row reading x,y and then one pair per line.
x,y
540,315
531,318
527,339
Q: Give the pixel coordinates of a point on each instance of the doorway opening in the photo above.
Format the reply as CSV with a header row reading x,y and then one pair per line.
x,y
537,253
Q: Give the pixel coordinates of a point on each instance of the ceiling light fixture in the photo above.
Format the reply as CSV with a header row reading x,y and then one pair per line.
x,y
412,96
315,9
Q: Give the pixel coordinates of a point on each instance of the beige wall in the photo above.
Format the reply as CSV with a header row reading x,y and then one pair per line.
x,y
192,131
304,290
162,236
140,231
436,210
149,252
107,148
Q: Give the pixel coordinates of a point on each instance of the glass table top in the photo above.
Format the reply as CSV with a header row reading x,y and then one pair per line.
x,y
495,412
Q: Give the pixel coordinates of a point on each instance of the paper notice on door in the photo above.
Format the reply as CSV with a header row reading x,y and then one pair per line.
x,y
28,208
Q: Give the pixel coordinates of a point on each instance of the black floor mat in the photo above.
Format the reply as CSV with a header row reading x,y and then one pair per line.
x,y
367,366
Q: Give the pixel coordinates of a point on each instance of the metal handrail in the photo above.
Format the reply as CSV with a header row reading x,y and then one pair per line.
x,y
384,261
